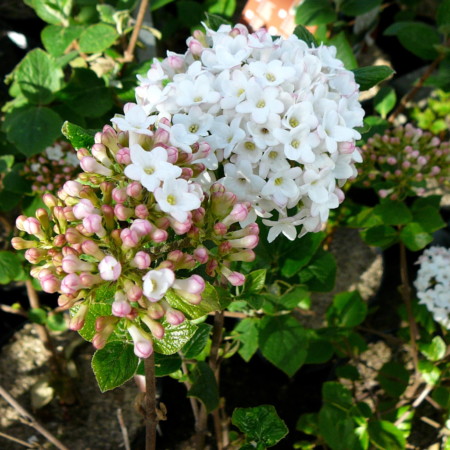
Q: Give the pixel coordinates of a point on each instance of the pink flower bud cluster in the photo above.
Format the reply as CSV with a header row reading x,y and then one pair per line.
x,y
107,229
405,161
52,168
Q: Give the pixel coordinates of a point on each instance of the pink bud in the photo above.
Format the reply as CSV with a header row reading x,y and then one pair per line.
x,y
77,321
174,317
195,284
35,255
201,255
421,160
142,260
250,241
158,235
346,148
129,238
91,165
121,307
220,229
50,283
141,211
195,47
155,328
123,156
134,292
141,227
172,155
435,170
122,213
83,208
92,249
175,61
32,226
72,188
21,244
238,214
155,311
72,264
383,193
119,195
71,284
180,227
245,255
143,347
235,278
134,189
109,268
93,224
392,161
406,164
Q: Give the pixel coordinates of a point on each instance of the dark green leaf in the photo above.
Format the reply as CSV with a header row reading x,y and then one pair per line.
x,y
77,136
320,274
370,76
190,13
443,16
417,37
429,218
434,350
15,182
97,38
375,125
37,315
385,101
209,303
393,212
56,39
246,332
337,395
393,378
38,77
415,237
308,423
386,436
260,424
156,4
198,341
348,310
43,127
358,7
10,266
284,342
305,35
320,350
57,322
204,386
365,219
380,236
114,364
348,371
344,50
87,94
9,200
175,336
164,365
315,12
254,282
441,395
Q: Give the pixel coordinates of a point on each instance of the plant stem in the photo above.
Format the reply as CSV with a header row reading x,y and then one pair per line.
x,y
150,403
412,93
129,52
31,420
405,290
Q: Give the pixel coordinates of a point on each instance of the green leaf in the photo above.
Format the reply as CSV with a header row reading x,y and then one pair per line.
x,y
223,7
260,424
198,341
175,336
365,219
315,12
15,182
393,212
300,253
42,125
429,218
190,13
358,7
37,315
386,436
57,322
164,365
204,386
246,332
78,137
10,266
114,364
370,76
380,236
6,162
305,35
434,350
209,303
38,77
254,282
97,38
337,395
443,16
348,310
393,378
308,423
344,50
348,371
95,310
417,37
156,4
430,373
87,94
320,349
385,101
52,11
415,237
56,39
9,200
284,342
320,274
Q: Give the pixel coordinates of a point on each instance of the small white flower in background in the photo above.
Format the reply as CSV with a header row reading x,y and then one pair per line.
x,y
433,283
54,153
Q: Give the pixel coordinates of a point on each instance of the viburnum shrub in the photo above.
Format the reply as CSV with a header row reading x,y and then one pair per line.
x,y
145,240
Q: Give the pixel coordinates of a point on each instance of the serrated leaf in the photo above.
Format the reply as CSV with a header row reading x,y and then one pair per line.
x,y
305,35
284,342
53,11
10,266
429,218
370,76
164,365
204,386
320,274
175,336
38,77
43,127
97,38
254,282
348,310
415,237
56,39
393,212
434,350
114,364
385,435
198,341
78,137
260,424
95,310
315,12
246,332
210,302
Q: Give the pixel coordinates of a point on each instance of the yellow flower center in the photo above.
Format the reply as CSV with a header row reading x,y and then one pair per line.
x,y
270,77
193,128
295,143
149,170
198,99
273,155
171,200
250,145
261,104
293,122
278,181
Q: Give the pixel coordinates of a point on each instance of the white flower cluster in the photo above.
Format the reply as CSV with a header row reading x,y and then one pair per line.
x,y
433,283
279,116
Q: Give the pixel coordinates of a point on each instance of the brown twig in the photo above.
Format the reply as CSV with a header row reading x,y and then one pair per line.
x,y
123,429
31,421
129,52
193,401
412,93
11,310
19,441
150,403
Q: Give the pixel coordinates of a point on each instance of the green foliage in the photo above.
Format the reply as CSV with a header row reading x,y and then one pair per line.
x,y
260,424
348,310
370,76
385,101
204,386
175,337
315,12
97,38
305,35
198,341
77,136
356,7
247,332
393,378
10,267
434,350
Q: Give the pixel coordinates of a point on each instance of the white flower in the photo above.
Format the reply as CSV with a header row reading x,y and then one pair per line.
x,y
272,73
150,167
135,120
196,92
226,136
281,186
54,153
273,160
298,143
285,225
176,199
157,282
233,89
